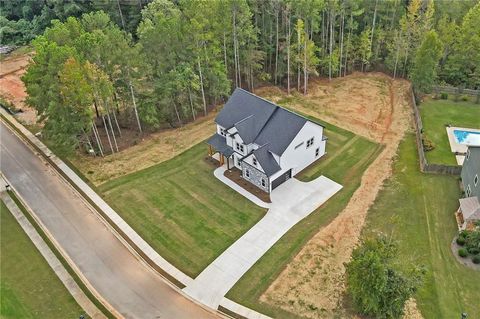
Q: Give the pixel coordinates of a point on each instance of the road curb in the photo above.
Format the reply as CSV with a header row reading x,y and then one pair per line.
x,y
137,245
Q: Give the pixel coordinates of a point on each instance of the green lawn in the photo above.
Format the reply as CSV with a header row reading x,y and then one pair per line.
x,y
435,114
348,156
418,211
186,214
29,288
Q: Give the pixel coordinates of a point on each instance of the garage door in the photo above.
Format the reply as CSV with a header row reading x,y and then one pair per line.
x,y
281,179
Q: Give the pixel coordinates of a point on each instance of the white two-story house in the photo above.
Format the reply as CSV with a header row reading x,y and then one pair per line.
x,y
268,143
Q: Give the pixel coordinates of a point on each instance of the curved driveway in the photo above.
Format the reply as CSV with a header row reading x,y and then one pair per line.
x,y
128,285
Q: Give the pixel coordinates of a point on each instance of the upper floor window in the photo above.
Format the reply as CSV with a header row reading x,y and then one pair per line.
x,y
475,180
469,191
310,142
254,161
239,147
223,132
247,173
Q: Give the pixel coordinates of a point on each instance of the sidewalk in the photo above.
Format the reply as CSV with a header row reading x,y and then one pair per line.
x,y
50,257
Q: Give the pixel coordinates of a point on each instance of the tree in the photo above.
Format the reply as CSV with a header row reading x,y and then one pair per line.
x,y
376,287
424,72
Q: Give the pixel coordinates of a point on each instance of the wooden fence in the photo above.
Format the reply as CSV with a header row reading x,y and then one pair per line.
x,y
457,91
425,167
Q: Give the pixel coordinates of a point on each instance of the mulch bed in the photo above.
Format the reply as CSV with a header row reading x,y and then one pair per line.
x,y
234,174
466,261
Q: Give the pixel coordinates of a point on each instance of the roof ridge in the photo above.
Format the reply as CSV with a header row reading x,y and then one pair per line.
x,y
244,119
278,107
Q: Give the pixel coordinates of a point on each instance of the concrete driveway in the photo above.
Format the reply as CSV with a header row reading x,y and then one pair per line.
x,y
291,202
130,287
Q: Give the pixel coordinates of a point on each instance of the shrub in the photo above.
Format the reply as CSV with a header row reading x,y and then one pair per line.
x,y
462,252
476,259
427,144
461,240
473,250
444,96
463,234
464,98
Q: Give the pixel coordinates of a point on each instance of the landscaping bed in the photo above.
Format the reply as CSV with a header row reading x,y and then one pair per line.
x,y
235,175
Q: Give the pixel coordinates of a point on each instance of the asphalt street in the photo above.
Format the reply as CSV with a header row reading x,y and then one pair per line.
x,y
124,281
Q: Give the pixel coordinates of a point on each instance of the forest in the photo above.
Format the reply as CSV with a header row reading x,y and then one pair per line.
x,y
145,65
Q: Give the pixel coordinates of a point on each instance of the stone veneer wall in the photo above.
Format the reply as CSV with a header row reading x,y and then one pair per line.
x,y
255,177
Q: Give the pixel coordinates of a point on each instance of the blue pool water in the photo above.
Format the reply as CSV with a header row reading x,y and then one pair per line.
x,y
467,137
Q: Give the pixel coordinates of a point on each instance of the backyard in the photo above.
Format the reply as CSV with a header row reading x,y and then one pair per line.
x,y
417,210
29,287
435,115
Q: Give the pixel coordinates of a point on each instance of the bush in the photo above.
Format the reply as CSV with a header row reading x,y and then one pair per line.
x,y
464,98
427,144
462,252
473,250
463,234
444,96
461,240
476,259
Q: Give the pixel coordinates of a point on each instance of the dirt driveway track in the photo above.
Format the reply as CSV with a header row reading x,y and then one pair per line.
x,y
131,288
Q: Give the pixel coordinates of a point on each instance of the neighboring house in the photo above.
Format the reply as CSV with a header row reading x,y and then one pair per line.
x,y
268,143
469,211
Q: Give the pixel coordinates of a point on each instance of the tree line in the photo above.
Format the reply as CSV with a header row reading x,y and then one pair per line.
x,y
145,64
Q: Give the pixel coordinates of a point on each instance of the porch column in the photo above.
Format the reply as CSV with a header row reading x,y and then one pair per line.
x,y
228,163
210,150
221,159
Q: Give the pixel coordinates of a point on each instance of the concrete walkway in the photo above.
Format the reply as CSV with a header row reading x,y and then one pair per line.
x,y
87,305
219,173
291,202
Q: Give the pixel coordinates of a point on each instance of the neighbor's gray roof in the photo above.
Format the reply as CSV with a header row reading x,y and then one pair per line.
x,y
260,121
471,167
218,142
470,207
266,160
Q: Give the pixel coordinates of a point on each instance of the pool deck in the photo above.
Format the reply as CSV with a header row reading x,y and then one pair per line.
x,y
457,147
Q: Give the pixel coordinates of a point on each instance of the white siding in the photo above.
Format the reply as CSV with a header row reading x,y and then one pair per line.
x,y
249,160
299,158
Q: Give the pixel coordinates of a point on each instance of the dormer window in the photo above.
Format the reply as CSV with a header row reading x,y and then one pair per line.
x,y
254,161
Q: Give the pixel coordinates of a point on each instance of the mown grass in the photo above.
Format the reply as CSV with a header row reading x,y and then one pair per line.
x,y
29,288
182,210
417,210
435,115
348,156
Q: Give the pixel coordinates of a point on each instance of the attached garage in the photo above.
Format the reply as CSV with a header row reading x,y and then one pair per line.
x,y
281,179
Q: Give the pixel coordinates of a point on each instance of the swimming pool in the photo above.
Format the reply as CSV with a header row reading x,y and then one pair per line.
x,y
467,137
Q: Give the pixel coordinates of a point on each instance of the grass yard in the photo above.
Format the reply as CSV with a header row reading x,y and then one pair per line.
x,y
186,214
348,156
29,288
435,114
417,210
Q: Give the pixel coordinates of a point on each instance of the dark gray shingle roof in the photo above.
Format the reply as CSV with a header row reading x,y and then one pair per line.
x,y
471,167
219,143
260,121
266,160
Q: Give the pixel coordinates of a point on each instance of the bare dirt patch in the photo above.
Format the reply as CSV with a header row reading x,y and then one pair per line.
x,y
152,149
371,105
12,88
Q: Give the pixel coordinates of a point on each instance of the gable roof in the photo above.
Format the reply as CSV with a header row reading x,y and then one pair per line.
x,y
471,168
266,160
260,121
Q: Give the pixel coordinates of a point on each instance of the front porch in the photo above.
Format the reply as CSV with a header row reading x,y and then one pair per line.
x,y
220,151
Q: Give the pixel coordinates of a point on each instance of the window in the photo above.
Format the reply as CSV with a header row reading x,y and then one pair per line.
x,y
469,191
239,147
317,152
475,180
468,155
299,145
264,183
254,162
310,142
223,132
247,173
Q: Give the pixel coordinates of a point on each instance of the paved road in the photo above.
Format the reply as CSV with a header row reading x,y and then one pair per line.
x,y
124,281
291,202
